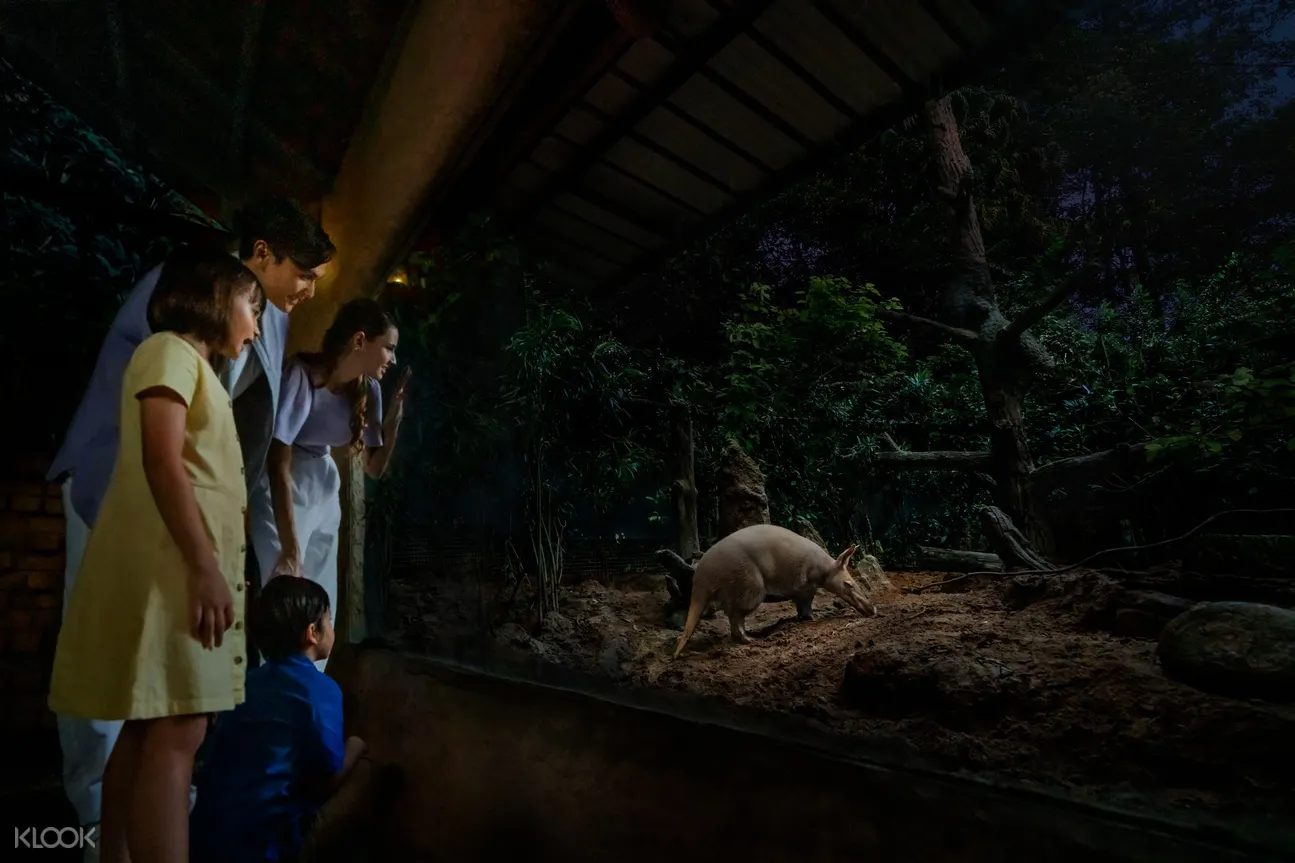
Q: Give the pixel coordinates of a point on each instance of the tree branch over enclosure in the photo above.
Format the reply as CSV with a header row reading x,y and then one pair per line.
x,y
902,460
966,338
1044,306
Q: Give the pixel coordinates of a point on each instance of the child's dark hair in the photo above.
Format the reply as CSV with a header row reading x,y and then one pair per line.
x,y
287,229
288,605
362,315
195,294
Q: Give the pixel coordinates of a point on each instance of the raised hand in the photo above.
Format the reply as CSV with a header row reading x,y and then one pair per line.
x,y
396,411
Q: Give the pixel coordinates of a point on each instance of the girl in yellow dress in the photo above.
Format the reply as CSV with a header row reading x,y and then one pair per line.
x,y
153,634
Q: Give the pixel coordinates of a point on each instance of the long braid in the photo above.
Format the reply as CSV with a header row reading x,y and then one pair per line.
x,y
358,392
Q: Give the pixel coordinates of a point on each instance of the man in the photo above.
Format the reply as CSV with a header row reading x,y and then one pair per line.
x,y
288,251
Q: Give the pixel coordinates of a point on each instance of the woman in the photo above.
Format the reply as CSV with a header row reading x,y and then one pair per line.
x,y
330,399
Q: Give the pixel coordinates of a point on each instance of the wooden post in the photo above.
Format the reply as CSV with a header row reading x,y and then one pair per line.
x,y
349,616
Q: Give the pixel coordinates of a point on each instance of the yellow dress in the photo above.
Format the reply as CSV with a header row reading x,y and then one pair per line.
x,y
125,650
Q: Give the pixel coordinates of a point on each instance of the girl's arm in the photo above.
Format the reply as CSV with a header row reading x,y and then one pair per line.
x,y
162,421
279,468
377,458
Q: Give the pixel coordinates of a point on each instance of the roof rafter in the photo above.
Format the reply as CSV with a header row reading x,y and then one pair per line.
x,y
709,44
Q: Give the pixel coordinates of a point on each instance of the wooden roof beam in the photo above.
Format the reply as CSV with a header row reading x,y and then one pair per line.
x,y
445,78
707,46
936,14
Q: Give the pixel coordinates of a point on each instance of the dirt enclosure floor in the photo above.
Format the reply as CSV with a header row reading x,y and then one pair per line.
x,y
959,677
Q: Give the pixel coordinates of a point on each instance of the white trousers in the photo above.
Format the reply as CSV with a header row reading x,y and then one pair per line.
x,y
317,515
86,743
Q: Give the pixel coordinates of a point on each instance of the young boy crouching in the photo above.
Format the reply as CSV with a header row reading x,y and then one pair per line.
x,y
280,754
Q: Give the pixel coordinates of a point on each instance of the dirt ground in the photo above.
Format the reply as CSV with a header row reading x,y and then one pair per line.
x,y
1027,694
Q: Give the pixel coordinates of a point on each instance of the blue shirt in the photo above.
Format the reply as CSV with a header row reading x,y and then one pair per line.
x,y
89,449
258,789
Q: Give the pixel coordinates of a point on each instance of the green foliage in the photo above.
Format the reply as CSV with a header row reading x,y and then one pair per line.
x,y
563,380
66,263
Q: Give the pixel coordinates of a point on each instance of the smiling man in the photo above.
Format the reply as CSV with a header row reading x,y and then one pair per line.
x,y
288,251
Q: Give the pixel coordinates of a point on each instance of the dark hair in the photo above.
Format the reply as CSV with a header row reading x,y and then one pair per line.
x,y
361,315
195,294
287,606
286,228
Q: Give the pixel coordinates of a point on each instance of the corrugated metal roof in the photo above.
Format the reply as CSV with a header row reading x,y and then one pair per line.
x,y
696,121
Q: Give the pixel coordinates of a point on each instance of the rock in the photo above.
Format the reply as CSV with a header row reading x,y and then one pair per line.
x,y
614,652
872,575
1135,613
1242,649
557,624
1079,588
512,634
888,678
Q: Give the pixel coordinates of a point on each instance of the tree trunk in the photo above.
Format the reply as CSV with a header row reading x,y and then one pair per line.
x,y
969,303
684,482
1010,462
968,300
740,487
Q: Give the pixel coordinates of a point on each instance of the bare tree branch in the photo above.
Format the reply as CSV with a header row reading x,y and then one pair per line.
x,y
965,338
1089,467
889,460
972,462
1046,305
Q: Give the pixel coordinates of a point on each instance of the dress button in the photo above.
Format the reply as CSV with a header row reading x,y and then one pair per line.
x,y
238,626
238,660
242,549
239,587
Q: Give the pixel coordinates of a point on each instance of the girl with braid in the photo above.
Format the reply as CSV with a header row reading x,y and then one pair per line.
x,y
329,400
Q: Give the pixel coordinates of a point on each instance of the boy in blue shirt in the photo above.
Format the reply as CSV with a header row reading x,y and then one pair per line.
x,y
275,758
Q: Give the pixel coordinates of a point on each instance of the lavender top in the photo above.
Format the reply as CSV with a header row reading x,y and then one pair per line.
x,y
314,419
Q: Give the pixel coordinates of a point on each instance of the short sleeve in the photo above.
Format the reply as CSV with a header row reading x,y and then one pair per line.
x,y
373,415
164,360
327,745
294,403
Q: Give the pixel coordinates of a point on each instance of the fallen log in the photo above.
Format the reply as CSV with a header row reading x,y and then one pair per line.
x,y
956,560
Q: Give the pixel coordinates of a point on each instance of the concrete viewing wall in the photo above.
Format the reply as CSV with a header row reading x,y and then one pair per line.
x,y
500,765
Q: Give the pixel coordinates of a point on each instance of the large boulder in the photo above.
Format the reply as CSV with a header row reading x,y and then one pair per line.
x,y
1242,649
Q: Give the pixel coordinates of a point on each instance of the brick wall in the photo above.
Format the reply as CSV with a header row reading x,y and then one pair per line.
x,y
31,595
